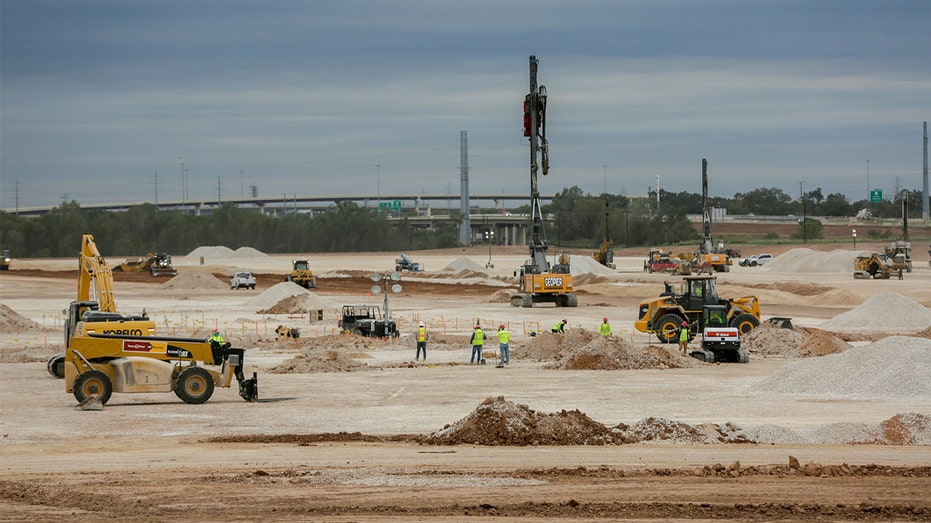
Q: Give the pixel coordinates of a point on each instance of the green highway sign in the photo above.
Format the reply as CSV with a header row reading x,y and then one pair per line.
x,y
876,195
397,205
384,205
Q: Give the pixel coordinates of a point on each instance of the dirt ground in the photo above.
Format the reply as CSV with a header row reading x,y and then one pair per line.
x,y
352,429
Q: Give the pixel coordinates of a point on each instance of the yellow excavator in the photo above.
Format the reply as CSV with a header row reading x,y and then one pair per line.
x,y
108,352
538,282
605,254
94,309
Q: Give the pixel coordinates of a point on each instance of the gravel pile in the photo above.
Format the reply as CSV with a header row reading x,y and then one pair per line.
x,y
579,265
807,260
279,292
210,252
194,279
580,349
770,341
248,252
897,366
462,263
882,312
11,321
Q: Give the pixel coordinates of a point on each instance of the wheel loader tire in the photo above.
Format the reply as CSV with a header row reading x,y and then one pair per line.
x,y
56,366
571,300
667,327
194,385
93,383
745,323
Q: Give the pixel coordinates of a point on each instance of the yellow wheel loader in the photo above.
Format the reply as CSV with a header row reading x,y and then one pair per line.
x,y
664,315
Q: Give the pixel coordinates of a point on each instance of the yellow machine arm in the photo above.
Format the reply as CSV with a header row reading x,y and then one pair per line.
x,y
95,276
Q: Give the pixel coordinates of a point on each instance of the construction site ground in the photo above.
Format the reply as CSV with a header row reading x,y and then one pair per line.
x,y
575,428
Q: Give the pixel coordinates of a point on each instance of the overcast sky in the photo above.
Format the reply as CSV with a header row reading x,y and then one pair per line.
x,y
103,100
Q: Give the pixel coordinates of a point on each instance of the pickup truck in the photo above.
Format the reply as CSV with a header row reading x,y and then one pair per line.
x,y
242,280
755,260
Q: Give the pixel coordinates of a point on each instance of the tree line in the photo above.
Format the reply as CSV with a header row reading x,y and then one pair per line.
x,y
576,219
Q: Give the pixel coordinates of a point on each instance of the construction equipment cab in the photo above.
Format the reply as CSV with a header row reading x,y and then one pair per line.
x,y
719,341
302,275
664,315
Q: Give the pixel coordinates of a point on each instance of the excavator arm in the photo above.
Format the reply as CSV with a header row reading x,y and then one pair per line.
x,y
95,279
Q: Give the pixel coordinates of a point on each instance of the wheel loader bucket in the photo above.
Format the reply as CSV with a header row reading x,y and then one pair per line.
x,y
783,323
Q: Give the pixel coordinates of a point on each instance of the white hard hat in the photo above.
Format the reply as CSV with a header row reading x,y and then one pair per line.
x,y
421,324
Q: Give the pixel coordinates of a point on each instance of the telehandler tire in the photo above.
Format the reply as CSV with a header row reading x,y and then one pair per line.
x,y
93,383
194,385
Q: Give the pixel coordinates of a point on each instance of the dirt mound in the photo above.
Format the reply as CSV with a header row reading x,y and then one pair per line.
x,y
586,350
298,304
896,366
194,279
807,260
882,312
10,321
500,422
770,341
318,359
903,429
502,296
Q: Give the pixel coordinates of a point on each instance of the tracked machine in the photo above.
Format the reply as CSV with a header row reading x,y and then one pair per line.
x,y
538,282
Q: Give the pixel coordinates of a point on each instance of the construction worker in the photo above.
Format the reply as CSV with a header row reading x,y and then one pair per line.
x,y
421,341
560,327
217,338
478,342
605,328
504,339
684,338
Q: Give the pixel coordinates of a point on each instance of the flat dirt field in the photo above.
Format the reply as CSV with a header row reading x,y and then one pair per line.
x,y
829,421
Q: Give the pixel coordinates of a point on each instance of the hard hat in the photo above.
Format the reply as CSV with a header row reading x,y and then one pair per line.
x,y
420,324
564,321
605,319
216,331
684,324
501,326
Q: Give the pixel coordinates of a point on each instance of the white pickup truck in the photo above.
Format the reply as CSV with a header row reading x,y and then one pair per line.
x,y
242,280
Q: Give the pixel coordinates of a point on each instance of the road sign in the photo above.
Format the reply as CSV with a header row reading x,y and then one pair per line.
x,y
876,195
385,205
397,205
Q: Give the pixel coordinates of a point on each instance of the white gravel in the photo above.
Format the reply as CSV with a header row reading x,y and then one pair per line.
x,y
882,312
897,366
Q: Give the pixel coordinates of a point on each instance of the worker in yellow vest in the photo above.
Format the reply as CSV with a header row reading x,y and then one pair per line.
x,y
605,328
478,342
421,341
684,338
504,339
